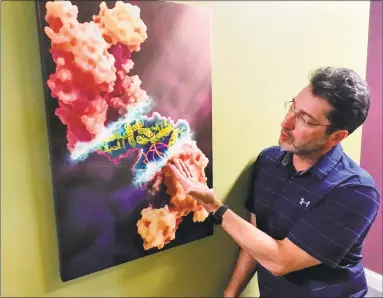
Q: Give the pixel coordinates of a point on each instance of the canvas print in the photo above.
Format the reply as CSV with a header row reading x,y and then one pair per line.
x,y
127,90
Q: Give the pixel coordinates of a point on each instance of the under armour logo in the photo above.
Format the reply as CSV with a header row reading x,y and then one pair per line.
x,y
303,202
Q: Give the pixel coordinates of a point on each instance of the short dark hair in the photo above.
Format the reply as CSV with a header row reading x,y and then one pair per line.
x,y
346,92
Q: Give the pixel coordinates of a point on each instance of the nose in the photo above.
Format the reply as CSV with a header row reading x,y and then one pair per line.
x,y
289,121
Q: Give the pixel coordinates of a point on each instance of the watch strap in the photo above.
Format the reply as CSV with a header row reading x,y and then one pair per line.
x,y
217,215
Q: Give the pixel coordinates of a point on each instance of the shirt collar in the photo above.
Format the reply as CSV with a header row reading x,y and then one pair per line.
x,y
323,166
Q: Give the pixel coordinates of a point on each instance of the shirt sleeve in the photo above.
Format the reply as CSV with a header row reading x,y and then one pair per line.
x,y
329,230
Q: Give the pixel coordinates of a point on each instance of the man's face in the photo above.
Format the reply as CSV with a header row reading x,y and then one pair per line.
x,y
299,134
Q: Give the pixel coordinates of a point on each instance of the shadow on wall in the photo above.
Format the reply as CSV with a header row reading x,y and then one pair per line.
x,y
235,199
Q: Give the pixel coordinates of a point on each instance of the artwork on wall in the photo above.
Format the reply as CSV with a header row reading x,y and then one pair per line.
x,y
127,90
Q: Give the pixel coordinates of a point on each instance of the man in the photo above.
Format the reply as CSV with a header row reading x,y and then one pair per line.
x,y
311,205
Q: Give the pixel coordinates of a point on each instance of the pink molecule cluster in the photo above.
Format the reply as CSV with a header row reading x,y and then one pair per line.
x,y
92,62
158,226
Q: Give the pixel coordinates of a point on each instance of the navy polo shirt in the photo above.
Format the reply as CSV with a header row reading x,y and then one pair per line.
x,y
326,210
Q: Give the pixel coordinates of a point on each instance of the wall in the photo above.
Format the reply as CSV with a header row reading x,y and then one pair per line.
x,y
262,52
371,154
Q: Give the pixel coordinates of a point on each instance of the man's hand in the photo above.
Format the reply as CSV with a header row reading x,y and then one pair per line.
x,y
199,191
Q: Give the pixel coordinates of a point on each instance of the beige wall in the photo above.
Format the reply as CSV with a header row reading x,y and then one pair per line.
x,y
262,53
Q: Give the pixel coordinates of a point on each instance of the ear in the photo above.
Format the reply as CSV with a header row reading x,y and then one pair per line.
x,y
338,136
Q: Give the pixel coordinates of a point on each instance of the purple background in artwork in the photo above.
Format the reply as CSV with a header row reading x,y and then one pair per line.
x,y
96,206
371,155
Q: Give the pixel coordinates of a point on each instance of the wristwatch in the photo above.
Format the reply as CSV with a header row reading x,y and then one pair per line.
x,y
216,216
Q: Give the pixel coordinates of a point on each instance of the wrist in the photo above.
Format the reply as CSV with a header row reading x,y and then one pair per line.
x,y
215,206
217,215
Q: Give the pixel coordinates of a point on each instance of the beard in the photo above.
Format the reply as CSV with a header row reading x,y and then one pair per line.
x,y
302,148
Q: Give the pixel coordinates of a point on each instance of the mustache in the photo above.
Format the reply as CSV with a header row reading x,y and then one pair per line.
x,y
286,132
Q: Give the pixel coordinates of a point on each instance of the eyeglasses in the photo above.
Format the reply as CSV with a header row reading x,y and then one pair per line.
x,y
301,117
